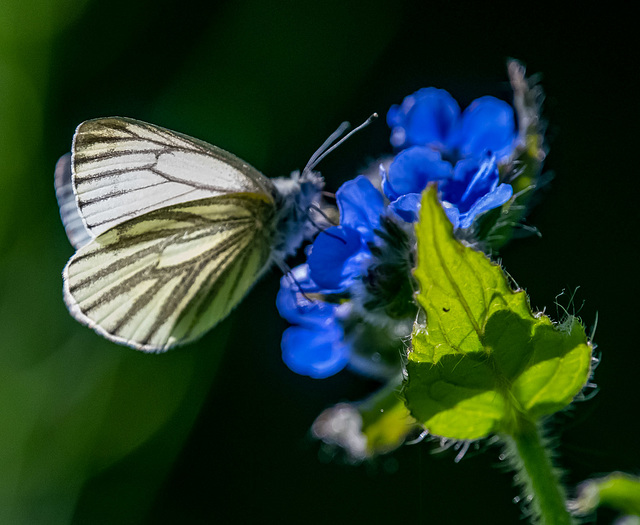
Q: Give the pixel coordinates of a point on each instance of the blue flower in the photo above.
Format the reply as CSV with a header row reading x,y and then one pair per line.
x,y
360,205
458,150
487,125
472,189
429,124
431,117
406,206
340,253
315,345
422,164
315,353
294,303
428,116
336,257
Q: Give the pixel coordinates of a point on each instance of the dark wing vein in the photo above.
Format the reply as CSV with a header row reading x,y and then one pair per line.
x,y
123,168
165,278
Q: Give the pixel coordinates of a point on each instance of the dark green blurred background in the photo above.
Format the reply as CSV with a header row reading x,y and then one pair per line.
x,y
91,432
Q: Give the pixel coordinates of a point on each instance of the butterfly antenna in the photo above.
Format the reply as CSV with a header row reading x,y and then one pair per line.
x,y
327,148
325,145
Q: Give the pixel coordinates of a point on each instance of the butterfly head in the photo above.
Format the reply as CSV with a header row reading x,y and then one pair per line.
x,y
297,194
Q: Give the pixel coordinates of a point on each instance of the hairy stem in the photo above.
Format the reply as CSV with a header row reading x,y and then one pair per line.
x,y
540,481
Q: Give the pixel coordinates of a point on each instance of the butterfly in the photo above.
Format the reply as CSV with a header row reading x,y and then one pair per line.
x,y
172,232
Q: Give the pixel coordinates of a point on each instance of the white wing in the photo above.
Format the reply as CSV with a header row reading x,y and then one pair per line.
x,y
74,226
167,277
124,168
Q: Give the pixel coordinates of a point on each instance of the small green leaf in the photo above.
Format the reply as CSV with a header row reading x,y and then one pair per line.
x,y
483,361
386,422
366,429
618,491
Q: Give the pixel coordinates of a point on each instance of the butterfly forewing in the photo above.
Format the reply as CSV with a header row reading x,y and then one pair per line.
x,y
166,277
124,168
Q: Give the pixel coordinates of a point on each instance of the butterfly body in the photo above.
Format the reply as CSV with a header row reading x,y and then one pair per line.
x,y
176,231
294,196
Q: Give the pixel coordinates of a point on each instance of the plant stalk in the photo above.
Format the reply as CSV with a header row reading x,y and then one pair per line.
x,y
540,480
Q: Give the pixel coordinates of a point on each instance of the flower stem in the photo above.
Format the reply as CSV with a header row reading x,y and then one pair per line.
x,y
541,488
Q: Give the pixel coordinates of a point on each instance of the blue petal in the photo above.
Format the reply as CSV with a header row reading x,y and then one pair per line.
x,y
472,180
452,213
314,353
293,300
490,201
361,205
488,124
336,257
406,207
426,117
413,169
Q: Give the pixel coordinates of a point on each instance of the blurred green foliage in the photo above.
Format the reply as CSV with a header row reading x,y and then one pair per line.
x,y
91,432
73,404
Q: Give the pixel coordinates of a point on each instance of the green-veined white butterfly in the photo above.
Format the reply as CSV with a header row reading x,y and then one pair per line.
x,y
171,232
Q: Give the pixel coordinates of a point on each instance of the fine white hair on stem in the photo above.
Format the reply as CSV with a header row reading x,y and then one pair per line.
x,y
419,439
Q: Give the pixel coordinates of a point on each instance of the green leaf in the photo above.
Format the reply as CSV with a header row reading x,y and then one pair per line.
x,y
618,491
366,429
483,362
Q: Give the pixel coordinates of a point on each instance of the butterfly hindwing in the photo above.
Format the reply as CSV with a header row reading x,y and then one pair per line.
x,y
166,277
124,168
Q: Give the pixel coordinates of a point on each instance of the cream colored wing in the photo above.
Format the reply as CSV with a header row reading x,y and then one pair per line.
x,y
124,168
166,277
